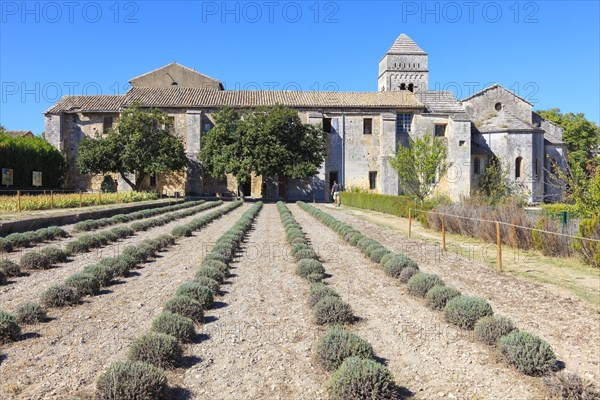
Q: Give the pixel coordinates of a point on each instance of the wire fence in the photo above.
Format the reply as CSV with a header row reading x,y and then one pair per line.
x,y
497,224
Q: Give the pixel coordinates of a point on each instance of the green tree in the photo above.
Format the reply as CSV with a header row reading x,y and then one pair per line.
x,y
264,141
27,154
419,164
140,143
581,135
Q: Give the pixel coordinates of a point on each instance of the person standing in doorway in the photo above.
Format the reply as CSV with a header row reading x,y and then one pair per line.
x,y
335,192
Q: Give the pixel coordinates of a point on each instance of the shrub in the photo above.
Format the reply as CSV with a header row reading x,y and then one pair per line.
x,y
17,240
527,353
464,311
318,291
359,378
377,254
439,295
84,284
158,349
5,246
217,256
420,283
30,313
394,265
122,232
210,272
489,329
102,273
75,247
175,325
299,246
120,265
306,254
354,239
371,248
338,344
407,273
196,291
125,380
139,254
314,278
35,260
570,386
186,306
9,328
365,242
332,310
212,284
60,296
218,265
589,251
307,267
90,241
182,230
55,254
10,268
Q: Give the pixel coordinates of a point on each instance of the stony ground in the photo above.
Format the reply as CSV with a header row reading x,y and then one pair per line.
x,y
258,342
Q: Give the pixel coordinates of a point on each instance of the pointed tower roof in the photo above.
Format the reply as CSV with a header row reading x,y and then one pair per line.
x,y
405,45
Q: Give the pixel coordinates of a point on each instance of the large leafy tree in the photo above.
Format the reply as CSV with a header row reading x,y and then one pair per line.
x,y
419,164
264,141
140,143
582,177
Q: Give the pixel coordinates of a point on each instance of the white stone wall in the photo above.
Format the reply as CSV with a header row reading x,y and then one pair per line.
x,y
483,106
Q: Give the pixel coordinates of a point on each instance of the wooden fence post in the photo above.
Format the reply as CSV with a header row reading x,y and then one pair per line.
x,y
409,221
443,233
499,245
51,199
19,200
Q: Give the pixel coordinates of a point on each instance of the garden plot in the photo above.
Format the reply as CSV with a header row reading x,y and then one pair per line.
x,y
426,355
259,345
28,288
69,353
567,323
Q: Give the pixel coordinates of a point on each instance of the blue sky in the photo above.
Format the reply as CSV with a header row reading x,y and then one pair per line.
x,y
547,52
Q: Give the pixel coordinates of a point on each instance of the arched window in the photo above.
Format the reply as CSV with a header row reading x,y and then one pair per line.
x,y
411,87
403,86
477,166
518,167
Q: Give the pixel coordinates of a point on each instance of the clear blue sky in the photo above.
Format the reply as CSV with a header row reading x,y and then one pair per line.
x,y
546,51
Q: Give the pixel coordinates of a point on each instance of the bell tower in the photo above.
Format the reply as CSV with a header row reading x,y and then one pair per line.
x,y
403,67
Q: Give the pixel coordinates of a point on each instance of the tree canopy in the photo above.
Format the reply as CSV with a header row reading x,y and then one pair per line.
x,y
264,141
140,143
27,154
419,164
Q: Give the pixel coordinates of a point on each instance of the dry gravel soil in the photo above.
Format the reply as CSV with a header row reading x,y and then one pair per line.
x,y
258,341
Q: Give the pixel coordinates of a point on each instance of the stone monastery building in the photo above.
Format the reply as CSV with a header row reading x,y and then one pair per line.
x,y
363,130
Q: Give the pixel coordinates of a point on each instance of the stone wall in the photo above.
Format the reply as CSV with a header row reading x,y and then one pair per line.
x,y
483,105
395,69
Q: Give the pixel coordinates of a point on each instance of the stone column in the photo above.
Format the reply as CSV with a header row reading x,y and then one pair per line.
x,y
194,184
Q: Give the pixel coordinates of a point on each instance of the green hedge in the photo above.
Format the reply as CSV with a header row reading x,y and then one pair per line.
x,y
395,205
25,155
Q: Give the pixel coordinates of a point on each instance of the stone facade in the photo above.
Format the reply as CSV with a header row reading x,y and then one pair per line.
x,y
363,131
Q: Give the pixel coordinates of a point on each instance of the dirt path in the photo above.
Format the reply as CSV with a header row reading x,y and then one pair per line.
x,y
260,344
427,356
28,288
63,358
570,326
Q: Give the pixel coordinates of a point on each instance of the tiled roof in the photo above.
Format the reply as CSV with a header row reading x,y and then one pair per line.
x,y
503,122
494,86
19,133
405,45
440,102
189,97
98,103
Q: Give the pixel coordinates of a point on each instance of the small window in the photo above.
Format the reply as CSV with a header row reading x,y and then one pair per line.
x,y
372,180
518,167
107,124
411,87
327,125
403,86
367,126
403,123
440,130
498,106
477,166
